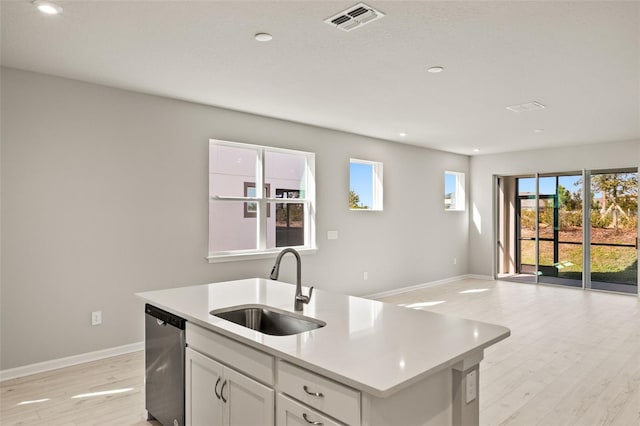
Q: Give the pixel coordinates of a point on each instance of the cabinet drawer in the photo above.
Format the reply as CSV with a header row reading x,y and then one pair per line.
x,y
250,361
292,413
335,399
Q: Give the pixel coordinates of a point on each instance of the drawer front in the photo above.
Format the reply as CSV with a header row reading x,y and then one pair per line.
x,y
334,399
251,362
292,413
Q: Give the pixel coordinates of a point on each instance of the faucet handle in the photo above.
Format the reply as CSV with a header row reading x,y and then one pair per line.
x,y
305,299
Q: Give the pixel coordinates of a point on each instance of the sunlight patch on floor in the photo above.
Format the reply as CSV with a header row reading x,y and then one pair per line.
x,y
474,290
423,304
102,393
35,401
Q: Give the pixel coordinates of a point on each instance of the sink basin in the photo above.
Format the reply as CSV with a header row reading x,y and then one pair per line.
x,y
268,320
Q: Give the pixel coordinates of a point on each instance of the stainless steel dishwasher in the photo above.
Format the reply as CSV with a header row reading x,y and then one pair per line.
x,y
164,346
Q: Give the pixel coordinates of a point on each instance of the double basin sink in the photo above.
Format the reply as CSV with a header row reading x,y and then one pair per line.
x,y
268,320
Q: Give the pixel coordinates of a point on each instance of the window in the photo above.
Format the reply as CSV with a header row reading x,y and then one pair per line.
x,y
365,185
260,200
454,198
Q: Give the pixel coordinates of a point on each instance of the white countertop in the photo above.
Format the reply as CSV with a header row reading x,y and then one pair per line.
x,y
372,346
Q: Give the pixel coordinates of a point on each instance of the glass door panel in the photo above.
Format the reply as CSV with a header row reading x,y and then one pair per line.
x,y
560,230
526,227
614,231
569,224
547,227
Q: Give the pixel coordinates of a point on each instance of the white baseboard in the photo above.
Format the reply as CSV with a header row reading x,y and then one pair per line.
x,y
426,285
479,277
26,370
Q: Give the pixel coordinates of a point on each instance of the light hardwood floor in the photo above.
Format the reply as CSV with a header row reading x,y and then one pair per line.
x,y
573,359
57,388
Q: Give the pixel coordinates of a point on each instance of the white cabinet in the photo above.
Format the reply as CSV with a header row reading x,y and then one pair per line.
x,y
292,413
248,402
230,383
326,396
202,381
218,395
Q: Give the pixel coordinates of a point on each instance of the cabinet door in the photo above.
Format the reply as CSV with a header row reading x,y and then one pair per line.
x,y
249,403
292,413
202,406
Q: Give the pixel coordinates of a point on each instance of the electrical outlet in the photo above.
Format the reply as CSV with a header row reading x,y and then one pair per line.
x,y
472,389
96,317
455,260
332,235
365,275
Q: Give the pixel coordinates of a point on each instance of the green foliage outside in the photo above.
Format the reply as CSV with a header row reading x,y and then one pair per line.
x,y
608,264
354,201
573,218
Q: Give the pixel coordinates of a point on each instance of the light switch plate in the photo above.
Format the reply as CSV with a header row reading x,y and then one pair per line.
x,y
472,390
332,235
96,317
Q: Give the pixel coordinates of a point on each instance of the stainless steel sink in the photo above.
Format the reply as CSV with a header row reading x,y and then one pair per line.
x,y
268,320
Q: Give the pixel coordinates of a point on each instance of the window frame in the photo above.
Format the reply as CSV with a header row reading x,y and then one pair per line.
x,y
459,195
261,199
377,184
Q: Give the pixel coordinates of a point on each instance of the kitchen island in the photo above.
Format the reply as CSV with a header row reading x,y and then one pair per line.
x,y
371,364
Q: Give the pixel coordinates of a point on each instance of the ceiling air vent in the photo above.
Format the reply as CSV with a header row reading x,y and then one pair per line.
x,y
529,106
354,17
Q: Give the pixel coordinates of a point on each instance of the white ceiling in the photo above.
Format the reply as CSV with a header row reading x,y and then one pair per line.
x,y
581,59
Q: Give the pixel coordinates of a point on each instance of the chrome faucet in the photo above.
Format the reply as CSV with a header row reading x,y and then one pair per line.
x,y
300,298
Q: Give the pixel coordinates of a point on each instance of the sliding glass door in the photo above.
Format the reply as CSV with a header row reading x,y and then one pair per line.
x,y
550,228
614,231
556,237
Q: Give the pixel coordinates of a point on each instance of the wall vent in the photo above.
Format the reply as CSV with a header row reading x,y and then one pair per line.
x,y
529,106
354,17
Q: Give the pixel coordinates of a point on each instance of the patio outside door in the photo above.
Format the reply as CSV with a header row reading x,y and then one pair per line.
x,y
614,231
572,229
552,222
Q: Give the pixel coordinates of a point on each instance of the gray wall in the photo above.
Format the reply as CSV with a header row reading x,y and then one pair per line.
x,y
104,194
483,167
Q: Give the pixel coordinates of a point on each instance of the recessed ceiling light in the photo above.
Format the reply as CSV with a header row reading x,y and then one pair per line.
x,y
403,134
529,106
476,149
263,37
47,8
538,130
435,70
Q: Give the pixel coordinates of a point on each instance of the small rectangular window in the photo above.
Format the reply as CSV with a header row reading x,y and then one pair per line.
x,y
250,209
260,200
454,197
365,185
